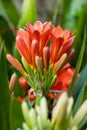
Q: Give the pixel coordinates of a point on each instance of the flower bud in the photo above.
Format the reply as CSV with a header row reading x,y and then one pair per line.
x,y
79,115
59,63
43,108
25,112
37,108
53,80
23,83
59,111
46,56
25,127
39,122
39,64
12,81
15,63
74,128
32,117
25,64
69,106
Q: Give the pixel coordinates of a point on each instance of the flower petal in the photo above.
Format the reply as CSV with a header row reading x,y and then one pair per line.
x,y
57,32
25,36
22,48
34,50
38,26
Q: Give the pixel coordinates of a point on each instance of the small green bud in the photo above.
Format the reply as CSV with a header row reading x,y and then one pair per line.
x,y
53,80
59,63
32,117
79,115
25,127
69,106
25,112
59,111
43,108
39,122
74,128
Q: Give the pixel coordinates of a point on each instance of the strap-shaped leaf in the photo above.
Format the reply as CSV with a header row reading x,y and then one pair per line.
x,y
4,93
80,89
78,65
16,117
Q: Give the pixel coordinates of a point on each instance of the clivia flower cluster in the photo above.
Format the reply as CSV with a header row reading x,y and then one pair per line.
x,y
44,50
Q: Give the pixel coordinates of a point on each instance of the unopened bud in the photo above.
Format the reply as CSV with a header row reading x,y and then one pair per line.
x,y
25,112
75,128
53,80
32,118
23,83
39,122
59,111
43,108
46,56
25,64
25,127
12,81
79,115
59,63
69,106
15,63
37,108
39,64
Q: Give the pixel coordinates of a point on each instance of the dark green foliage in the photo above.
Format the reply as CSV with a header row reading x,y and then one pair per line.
x,y
16,118
4,93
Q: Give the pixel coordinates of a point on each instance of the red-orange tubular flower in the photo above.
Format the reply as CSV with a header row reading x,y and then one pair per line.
x,y
61,43
44,49
64,78
30,42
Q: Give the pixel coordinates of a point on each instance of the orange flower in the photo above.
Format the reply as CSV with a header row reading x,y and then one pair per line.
x,y
30,42
64,78
41,61
61,43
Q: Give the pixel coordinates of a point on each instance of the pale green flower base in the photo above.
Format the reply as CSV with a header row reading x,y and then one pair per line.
x,y
62,117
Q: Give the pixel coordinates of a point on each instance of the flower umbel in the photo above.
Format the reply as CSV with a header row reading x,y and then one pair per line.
x,y
44,50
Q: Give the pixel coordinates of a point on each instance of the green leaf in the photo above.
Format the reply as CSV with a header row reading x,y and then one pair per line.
x,y
80,83
4,92
16,117
6,34
28,12
83,123
78,65
80,90
11,11
80,98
